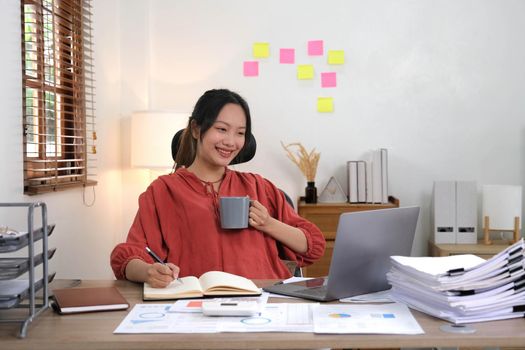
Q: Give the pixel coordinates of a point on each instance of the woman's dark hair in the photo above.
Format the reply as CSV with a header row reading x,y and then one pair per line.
x,y
204,115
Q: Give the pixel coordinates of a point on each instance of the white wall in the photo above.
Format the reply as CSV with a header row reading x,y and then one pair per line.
x,y
439,83
84,236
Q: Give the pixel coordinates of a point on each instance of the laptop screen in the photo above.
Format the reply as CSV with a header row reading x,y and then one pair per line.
x,y
364,242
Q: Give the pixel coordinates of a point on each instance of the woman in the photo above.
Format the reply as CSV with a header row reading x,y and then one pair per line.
x,y
178,214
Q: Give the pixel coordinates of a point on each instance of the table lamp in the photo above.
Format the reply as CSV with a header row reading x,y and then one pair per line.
x,y
151,134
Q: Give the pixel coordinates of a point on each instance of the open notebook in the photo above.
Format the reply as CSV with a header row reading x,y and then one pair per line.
x,y
211,283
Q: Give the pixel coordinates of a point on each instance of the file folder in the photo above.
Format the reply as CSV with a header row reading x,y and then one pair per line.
x,y
444,212
377,182
466,212
352,181
361,181
384,175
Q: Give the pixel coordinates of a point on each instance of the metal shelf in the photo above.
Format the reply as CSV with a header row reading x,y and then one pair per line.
x,y
21,293
11,268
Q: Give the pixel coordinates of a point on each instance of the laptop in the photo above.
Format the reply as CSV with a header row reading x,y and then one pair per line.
x,y
364,242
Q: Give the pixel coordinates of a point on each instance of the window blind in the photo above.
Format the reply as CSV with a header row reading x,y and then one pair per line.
x,y
58,95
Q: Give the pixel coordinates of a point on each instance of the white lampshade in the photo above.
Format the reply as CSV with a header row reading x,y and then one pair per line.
x,y
151,134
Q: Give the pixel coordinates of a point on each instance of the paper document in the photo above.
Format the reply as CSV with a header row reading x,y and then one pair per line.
x,y
462,288
157,318
376,297
365,319
281,317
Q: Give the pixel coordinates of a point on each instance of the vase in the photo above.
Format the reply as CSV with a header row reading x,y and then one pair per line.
x,y
310,192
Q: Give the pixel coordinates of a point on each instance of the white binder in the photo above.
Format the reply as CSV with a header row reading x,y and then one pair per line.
x,y
361,181
444,212
352,181
369,181
377,184
384,175
466,212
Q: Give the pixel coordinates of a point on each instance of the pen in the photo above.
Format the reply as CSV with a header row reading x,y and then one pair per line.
x,y
157,259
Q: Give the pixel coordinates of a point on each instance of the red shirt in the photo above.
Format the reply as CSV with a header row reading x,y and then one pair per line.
x,y
178,219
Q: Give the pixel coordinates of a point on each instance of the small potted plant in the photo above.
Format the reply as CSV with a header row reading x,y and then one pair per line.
x,y
307,163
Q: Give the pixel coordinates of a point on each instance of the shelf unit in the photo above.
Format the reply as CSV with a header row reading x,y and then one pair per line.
x,y
22,293
326,217
480,249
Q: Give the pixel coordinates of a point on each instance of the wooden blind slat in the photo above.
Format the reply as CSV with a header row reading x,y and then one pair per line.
x,y
55,160
57,62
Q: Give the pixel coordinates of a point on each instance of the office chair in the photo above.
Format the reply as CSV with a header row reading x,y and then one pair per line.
x,y
247,153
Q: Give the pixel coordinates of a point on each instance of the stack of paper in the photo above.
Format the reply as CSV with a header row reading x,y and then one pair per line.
x,y
462,288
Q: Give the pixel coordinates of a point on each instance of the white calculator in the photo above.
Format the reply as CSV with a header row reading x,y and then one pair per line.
x,y
230,308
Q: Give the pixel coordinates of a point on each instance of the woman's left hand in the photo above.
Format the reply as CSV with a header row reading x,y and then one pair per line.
x,y
261,220
259,217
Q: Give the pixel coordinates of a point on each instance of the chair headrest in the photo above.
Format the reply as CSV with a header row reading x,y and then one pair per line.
x,y
245,155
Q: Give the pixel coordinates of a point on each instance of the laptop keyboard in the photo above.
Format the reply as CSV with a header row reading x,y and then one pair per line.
x,y
315,291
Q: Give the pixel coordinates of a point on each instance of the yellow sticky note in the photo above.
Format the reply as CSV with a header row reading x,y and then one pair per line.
x,y
261,50
305,71
325,104
336,57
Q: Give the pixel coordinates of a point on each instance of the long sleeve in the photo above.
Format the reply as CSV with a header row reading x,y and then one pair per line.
x,y
178,219
285,213
145,231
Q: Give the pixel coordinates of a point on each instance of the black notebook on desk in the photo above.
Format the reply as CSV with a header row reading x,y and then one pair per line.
x,y
364,242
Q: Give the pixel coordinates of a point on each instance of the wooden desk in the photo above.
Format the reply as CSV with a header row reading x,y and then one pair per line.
x,y
326,217
482,250
95,331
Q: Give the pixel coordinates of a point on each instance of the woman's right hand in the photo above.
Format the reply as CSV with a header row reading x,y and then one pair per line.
x,y
160,275
157,275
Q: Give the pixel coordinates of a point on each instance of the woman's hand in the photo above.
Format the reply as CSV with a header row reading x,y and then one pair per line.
x,y
261,220
159,275
259,217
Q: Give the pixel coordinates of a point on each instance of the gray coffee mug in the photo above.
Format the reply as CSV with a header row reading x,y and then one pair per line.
x,y
234,212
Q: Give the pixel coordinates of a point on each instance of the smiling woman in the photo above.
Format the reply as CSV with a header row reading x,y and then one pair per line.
x,y
214,103
178,215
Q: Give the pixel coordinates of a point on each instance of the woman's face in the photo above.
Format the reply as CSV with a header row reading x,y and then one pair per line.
x,y
225,138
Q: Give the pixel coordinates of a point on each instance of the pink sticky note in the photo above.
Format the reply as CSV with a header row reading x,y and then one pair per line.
x,y
328,79
315,48
287,56
251,68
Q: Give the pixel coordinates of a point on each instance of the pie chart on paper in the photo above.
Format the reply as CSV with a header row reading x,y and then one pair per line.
x,y
339,315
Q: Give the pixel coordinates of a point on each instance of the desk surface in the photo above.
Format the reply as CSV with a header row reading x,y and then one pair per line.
x,y
95,331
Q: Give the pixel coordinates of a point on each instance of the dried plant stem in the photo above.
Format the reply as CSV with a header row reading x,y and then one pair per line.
x,y
306,162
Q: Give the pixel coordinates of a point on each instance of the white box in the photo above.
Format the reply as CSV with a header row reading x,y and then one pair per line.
x,y
466,212
444,212
352,181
